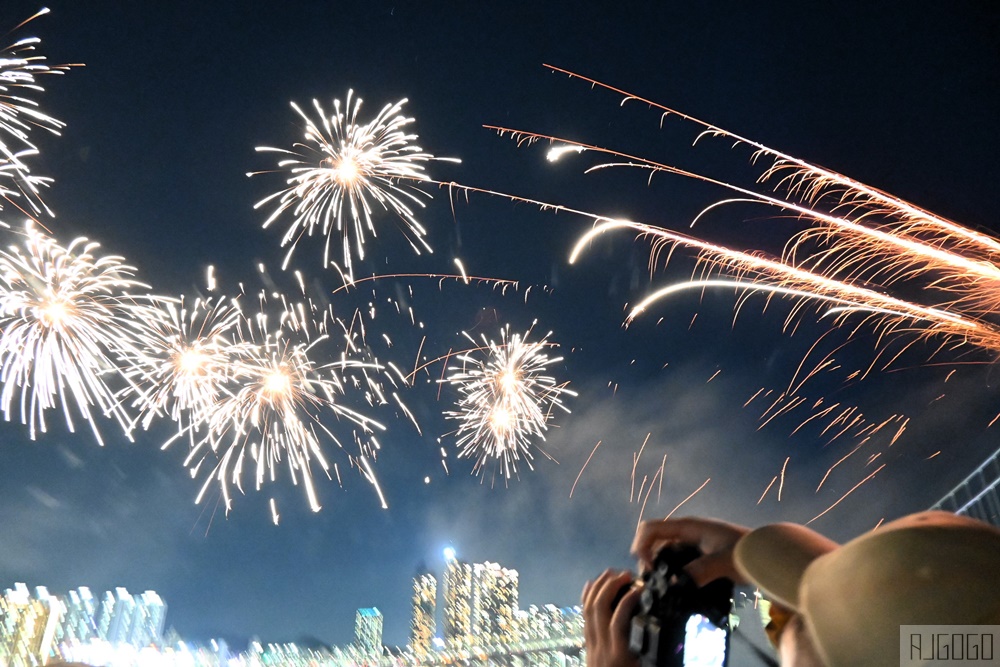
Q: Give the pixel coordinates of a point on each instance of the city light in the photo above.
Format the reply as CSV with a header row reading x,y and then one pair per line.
x,y
483,626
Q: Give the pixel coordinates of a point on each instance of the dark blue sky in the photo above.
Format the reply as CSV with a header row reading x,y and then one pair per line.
x,y
161,128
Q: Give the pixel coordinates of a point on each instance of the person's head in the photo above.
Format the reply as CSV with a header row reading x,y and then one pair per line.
x,y
925,569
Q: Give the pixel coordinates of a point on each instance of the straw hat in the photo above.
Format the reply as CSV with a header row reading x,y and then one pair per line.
x,y
928,568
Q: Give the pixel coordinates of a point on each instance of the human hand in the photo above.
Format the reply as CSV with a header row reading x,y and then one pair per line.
x,y
606,628
716,540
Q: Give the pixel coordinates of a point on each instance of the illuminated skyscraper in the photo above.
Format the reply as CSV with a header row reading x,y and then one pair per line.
x,y
480,604
121,618
551,622
104,614
36,628
457,603
494,604
424,606
121,614
368,631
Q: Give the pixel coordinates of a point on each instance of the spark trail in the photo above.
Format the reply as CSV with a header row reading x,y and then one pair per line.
x,y
20,113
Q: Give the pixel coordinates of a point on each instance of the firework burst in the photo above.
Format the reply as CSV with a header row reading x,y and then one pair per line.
x,y
184,363
506,399
66,317
277,410
865,261
19,114
347,172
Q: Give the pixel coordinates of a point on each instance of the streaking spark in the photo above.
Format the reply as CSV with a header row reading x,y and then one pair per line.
x,y
858,243
865,260
19,115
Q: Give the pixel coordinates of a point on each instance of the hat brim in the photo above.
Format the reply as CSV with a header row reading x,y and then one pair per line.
x,y
776,556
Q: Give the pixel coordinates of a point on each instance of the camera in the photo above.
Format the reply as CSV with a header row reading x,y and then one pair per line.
x,y
676,622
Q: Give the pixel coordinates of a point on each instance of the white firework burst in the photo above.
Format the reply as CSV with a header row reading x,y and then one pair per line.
x,y
66,317
506,399
183,367
278,410
346,173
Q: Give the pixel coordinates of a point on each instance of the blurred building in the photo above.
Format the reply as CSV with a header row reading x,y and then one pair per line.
x,y
121,618
423,625
122,611
978,495
78,624
35,628
494,604
457,612
368,631
103,614
148,618
480,604
549,622
27,626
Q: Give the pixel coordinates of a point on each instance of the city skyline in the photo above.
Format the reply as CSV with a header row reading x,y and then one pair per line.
x,y
479,603
108,616
116,618
676,411
39,625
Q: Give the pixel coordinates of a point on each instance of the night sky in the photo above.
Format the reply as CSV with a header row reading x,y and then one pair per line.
x,y
162,123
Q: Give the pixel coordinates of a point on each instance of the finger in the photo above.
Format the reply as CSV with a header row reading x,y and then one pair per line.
x,y
589,628
593,588
621,618
653,534
597,607
611,588
706,569
591,624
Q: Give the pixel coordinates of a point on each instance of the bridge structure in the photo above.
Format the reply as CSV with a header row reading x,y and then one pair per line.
x,y
565,650
978,495
562,651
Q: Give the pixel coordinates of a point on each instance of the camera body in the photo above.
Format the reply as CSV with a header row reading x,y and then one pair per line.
x,y
659,630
